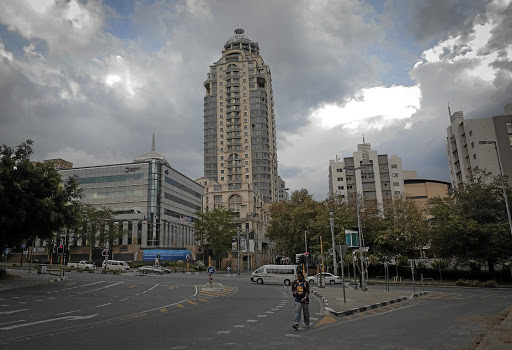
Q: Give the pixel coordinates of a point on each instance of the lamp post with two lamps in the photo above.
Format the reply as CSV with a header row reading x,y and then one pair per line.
x,y
501,178
331,219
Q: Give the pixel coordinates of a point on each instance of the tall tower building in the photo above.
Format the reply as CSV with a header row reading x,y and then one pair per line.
x,y
239,120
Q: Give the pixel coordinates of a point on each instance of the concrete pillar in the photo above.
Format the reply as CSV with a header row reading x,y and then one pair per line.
x,y
125,234
135,225
144,236
116,230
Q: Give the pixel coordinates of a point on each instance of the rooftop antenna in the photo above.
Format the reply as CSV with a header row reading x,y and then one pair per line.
x,y
449,111
153,148
363,140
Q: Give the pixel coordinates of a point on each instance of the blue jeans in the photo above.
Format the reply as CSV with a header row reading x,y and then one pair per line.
x,y
305,309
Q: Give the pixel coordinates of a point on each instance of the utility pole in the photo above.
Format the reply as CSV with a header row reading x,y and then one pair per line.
x,y
238,249
331,219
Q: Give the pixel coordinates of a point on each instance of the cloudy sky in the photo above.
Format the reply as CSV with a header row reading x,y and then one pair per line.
x,y
90,81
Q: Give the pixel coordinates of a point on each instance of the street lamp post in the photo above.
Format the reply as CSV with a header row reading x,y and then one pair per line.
x,y
360,233
331,219
501,178
238,250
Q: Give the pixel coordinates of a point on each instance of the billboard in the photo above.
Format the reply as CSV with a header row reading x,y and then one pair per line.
x,y
165,254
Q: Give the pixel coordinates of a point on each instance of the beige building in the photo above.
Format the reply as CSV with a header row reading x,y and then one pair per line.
x,y
421,190
239,120
250,211
368,174
466,154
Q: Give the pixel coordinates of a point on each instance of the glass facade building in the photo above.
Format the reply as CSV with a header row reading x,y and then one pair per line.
x,y
154,203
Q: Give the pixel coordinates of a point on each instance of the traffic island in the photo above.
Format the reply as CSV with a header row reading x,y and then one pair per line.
x,y
358,301
213,287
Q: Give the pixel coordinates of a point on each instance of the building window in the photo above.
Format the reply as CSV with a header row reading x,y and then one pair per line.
x,y
222,171
397,193
245,120
470,132
245,113
341,187
396,183
246,146
247,176
221,109
221,142
221,157
395,174
246,133
349,178
349,187
340,179
340,170
474,156
246,170
246,162
394,166
222,178
247,155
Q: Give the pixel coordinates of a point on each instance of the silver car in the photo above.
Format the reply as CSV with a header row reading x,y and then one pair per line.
x,y
327,277
158,270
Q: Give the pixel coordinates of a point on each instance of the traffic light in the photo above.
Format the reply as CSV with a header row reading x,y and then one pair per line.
x,y
104,252
60,249
54,248
298,258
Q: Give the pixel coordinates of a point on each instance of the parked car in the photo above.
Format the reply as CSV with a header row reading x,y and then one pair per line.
x,y
159,270
83,264
117,265
328,278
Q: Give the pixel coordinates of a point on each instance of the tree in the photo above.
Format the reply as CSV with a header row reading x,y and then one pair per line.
x,y
94,226
473,224
215,229
404,231
34,201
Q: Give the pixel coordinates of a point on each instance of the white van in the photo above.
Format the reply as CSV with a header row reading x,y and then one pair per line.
x,y
115,265
281,274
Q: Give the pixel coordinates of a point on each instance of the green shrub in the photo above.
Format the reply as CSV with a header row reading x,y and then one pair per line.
x,y
3,274
475,283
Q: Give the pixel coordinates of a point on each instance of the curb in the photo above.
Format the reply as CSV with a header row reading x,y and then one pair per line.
x,y
364,308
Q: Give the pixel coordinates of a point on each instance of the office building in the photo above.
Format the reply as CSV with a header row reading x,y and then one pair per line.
x,y
368,175
422,190
239,120
465,153
153,202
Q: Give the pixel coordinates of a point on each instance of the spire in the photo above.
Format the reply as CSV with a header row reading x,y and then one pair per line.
x,y
153,147
449,111
363,139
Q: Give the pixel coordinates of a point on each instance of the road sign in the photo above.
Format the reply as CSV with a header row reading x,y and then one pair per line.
x,y
188,257
25,252
211,270
7,251
23,246
341,250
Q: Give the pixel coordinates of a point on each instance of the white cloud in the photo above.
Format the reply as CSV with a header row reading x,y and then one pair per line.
x,y
372,108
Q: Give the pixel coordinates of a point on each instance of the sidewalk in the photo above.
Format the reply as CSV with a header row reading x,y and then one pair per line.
x,y
498,338
23,278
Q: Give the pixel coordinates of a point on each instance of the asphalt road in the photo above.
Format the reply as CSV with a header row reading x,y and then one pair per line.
x,y
94,311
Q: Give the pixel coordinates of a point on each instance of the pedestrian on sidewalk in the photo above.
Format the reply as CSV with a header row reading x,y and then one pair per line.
x,y
300,290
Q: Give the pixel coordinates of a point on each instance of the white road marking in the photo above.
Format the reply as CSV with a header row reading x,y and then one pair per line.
x,y
12,311
144,291
239,326
275,309
196,291
15,297
223,332
51,298
123,299
103,305
313,318
22,302
68,312
152,287
4,305
262,315
84,285
269,312
38,300
252,320
110,285
292,335
66,318
17,321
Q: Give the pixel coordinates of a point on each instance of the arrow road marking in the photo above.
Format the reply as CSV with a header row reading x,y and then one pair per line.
x,y
66,318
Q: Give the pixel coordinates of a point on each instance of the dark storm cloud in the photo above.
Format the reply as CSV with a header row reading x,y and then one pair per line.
x,y
433,20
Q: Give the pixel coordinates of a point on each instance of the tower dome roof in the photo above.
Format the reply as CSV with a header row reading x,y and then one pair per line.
x,y
238,38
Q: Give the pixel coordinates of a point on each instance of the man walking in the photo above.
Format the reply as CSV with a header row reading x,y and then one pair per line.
x,y
300,289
